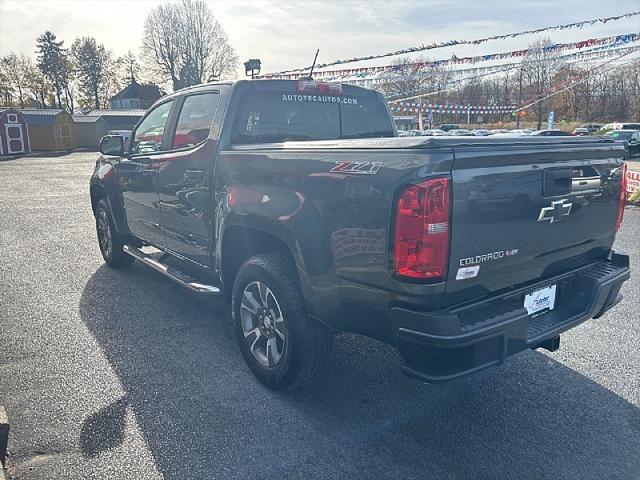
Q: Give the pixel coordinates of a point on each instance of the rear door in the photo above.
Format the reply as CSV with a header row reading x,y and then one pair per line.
x,y
521,213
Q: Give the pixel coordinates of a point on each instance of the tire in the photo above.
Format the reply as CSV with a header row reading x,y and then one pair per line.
x,y
109,240
299,348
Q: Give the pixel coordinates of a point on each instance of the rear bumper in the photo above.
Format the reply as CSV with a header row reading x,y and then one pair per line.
x,y
444,345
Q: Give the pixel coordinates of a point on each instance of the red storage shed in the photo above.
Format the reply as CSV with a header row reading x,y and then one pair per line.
x,y
14,133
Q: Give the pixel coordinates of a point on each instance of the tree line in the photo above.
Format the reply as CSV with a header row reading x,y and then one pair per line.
x,y
610,93
183,45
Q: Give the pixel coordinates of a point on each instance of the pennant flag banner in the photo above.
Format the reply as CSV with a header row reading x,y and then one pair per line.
x,y
450,43
447,108
468,74
605,42
407,105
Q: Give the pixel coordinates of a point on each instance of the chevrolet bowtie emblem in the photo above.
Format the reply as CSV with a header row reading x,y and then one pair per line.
x,y
555,212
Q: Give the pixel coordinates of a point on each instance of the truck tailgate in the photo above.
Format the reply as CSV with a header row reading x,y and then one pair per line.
x,y
524,212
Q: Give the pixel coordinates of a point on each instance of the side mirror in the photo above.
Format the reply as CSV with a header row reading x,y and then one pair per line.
x,y
112,145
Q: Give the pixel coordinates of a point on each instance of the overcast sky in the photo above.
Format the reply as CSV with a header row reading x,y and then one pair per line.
x,y
285,34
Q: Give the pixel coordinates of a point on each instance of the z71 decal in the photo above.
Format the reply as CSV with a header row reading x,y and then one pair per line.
x,y
357,168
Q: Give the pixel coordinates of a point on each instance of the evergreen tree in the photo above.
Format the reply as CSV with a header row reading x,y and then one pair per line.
x,y
54,65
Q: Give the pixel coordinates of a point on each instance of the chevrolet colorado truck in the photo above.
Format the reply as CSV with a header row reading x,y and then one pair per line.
x,y
297,202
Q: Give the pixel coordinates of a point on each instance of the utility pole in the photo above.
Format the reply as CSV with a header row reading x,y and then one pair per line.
x,y
519,99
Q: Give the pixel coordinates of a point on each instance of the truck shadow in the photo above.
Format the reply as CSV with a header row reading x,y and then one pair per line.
x,y
204,415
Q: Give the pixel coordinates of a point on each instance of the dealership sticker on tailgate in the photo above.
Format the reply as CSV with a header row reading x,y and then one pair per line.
x,y
467,272
543,299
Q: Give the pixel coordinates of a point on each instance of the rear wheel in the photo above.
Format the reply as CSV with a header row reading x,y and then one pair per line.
x,y
279,342
110,241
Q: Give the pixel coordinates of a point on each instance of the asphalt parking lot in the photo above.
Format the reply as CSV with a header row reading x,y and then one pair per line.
x,y
124,375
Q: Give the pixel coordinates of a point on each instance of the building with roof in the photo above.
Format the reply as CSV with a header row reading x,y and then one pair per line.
x,y
49,129
406,122
14,132
118,119
89,130
136,96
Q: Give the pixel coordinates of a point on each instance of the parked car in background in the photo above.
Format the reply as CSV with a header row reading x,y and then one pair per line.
x,y
631,139
404,133
460,132
551,133
581,131
125,134
519,131
481,132
592,127
449,126
621,126
433,132
500,130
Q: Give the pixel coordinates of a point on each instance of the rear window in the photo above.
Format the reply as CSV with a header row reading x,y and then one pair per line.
x,y
271,116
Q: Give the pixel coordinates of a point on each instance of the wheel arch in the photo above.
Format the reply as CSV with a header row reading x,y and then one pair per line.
x,y
99,191
241,241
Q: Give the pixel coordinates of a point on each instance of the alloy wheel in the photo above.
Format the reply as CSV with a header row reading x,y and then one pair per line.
x,y
263,325
104,233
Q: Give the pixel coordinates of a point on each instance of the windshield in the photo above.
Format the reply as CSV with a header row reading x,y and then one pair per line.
x,y
272,116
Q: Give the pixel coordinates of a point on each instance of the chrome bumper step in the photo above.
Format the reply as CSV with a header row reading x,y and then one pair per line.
x,y
175,275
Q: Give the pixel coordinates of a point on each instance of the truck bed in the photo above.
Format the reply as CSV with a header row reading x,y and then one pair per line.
x,y
493,141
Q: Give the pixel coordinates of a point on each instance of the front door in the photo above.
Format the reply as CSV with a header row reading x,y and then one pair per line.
x,y
184,189
15,138
65,136
138,175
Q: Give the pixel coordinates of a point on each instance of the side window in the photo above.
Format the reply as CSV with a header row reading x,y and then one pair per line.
x,y
195,120
150,133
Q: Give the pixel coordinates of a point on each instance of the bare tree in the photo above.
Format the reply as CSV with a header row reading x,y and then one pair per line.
x,y
129,67
186,45
17,70
409,77
540,66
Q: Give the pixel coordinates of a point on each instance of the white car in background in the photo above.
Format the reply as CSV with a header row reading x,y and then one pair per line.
x,y
481,132
125,134
435,132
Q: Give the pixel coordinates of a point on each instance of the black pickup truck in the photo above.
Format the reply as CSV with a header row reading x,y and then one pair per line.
x,y
298,202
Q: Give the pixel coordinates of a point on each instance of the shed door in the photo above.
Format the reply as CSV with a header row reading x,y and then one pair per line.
x,y
15,138
65,136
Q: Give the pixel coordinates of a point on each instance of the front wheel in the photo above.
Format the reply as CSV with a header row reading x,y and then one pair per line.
x,y
110,241
279,342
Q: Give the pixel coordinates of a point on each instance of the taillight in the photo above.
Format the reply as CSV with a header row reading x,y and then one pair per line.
x,y
311,86
421,239
623,197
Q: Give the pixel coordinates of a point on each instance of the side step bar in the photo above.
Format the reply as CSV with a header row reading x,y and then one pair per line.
x,y
172,273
